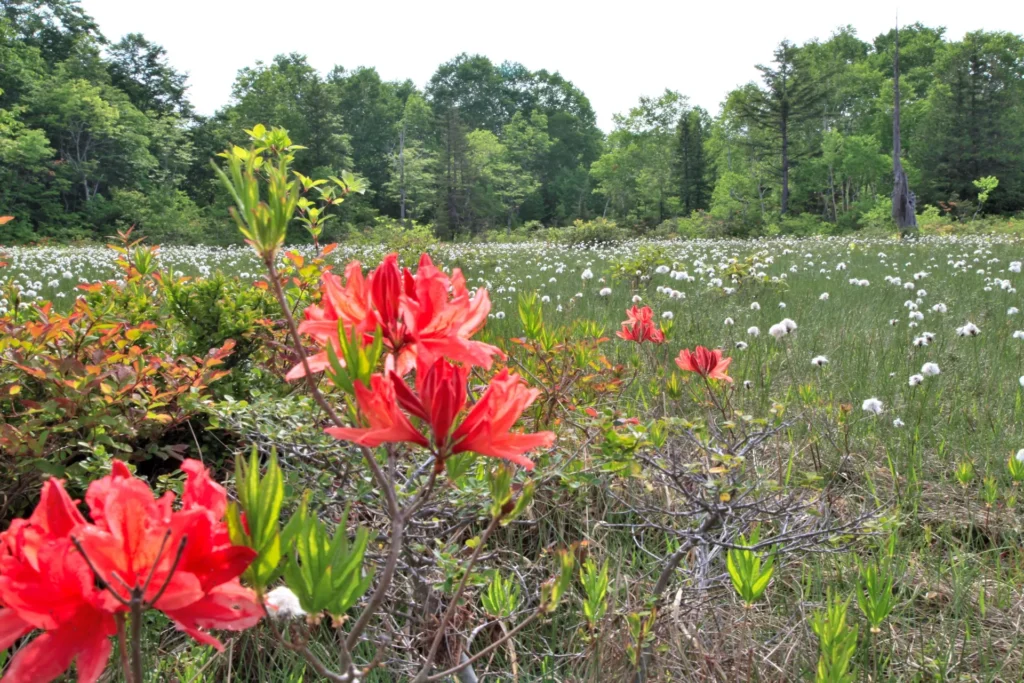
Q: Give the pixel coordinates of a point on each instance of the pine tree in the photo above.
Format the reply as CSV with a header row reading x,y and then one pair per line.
x,y
690,163
791,96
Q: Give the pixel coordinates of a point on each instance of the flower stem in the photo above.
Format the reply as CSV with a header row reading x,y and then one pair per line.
x,y
136,638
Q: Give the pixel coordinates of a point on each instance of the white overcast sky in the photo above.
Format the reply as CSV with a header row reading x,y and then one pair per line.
x,y
614,51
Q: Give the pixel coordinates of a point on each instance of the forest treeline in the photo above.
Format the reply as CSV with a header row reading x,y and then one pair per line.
x,y
97,134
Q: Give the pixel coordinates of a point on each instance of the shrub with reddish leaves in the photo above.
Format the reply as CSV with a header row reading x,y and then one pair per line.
x,y
84,381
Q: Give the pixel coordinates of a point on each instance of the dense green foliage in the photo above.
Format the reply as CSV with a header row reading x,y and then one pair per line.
x,y
97,135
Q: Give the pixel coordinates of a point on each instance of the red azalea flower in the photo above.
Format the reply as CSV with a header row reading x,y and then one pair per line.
x,y
387,423
136,536
438,399
347,305
424,315
486,428
705,362
442,318
46,584
640,327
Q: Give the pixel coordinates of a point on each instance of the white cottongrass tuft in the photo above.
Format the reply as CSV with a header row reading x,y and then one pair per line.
x,y
587,274
872,405
916,379
968,330
930,369
753,331
668,315
605,291
820,361
823,297
897,423
282,603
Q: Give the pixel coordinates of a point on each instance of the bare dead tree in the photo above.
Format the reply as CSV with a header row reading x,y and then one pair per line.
x,y
904,203
401,167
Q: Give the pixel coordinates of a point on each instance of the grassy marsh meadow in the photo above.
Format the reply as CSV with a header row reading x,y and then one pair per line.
x,y
881,381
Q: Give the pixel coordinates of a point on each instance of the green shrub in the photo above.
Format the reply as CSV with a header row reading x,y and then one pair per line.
x,y
597,231
211,312
409,241
163,216
698,225
878,217
804,225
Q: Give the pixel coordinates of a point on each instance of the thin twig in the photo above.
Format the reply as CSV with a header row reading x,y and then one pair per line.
x,y
487,650
122,646
170,573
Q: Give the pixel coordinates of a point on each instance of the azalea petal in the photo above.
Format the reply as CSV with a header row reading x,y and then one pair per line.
x,y
226,564
92,658
56,512
317,363
183,588
229,606
42,660
12,627
201,490
50,654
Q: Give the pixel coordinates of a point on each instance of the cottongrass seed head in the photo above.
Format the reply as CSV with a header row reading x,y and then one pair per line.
x,y
872,405
282,603
968,330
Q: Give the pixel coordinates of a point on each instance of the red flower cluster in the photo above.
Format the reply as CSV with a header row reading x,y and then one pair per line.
x,y
705,362
438,400
427,321
422,317
640,327
183,558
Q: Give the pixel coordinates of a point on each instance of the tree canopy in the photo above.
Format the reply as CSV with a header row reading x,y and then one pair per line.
x,y
97,134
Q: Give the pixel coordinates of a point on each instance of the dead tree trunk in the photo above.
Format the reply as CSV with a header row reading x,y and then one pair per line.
x,y
904,203
401,175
